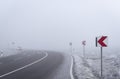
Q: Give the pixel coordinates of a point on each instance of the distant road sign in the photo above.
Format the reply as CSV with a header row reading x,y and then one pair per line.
x,y
70,43
84,43
102,41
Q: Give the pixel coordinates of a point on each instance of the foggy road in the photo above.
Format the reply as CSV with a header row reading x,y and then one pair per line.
x,y
35,65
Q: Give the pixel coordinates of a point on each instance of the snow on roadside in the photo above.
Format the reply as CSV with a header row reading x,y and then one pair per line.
x,y
89,68
111,66
81,70
8,52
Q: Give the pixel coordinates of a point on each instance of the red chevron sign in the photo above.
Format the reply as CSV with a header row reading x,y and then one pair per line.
x,y
84,43
101,41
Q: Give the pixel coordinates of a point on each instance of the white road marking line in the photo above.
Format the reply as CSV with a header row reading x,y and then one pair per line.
x,y
24,66
71,68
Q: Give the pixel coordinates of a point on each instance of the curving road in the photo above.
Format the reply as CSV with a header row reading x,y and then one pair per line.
x,y
35,65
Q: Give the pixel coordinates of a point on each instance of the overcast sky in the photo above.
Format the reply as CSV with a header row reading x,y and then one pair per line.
x,y
52,24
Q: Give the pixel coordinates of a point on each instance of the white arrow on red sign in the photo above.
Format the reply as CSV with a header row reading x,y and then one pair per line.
x,y
101,41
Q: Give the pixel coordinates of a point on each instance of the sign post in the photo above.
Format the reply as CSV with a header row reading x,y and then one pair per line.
x,y
84,43
70,47
101,42
101,63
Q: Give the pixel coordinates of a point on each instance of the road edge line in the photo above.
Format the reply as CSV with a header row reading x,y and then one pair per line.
x,y
46,54
71,68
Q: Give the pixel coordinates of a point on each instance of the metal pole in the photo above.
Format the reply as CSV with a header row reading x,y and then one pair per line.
x,y
71,48
101,63
84,51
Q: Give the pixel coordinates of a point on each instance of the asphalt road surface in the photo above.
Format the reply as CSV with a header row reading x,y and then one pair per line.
x,y
35,65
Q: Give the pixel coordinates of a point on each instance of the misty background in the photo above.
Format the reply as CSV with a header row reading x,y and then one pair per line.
x,y
52,24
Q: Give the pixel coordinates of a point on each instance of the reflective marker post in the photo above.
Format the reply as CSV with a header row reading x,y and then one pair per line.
x,y
84,43
1,53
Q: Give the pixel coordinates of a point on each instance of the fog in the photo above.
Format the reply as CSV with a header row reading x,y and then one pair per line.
x,y
52,24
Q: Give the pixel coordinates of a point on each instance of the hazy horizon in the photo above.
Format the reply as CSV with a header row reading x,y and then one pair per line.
x,y
52,24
